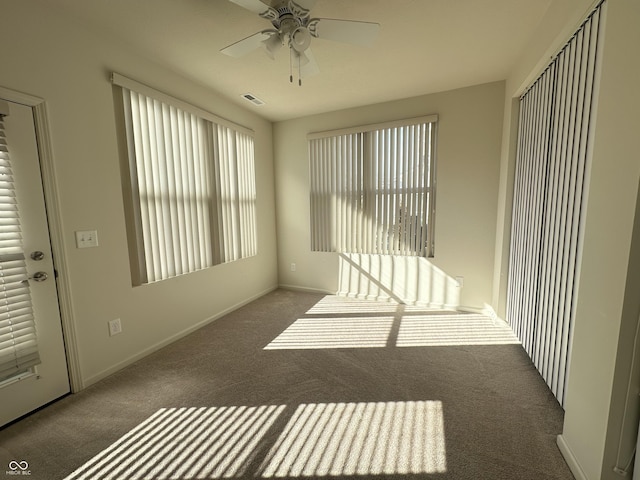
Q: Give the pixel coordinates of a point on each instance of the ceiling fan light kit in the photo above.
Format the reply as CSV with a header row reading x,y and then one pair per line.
x,y
300,39
294,27
272,45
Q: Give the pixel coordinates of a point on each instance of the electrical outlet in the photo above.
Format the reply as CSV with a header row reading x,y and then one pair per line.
x,y
115,327
293,267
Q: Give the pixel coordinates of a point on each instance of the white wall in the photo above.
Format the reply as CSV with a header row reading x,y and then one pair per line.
x,y
603,332
468,157
53,57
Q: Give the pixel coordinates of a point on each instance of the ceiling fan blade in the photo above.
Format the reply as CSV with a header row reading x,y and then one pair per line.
x,y
308,4
255,6
345,31
246,45
308,65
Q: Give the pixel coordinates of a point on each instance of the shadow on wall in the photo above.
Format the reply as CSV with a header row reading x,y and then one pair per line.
x,y
409,280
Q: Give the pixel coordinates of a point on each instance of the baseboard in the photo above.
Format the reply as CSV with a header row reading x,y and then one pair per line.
x,y
487,310
153,348
403,301
364,296
297,288
570,458
385,298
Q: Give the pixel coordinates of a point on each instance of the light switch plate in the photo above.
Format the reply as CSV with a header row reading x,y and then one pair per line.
x,y
86,238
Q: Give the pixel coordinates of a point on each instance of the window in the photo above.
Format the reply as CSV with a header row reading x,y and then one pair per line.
x,y
193,190
18,342
373,188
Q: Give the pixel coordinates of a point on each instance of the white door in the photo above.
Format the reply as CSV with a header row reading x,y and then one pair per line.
x,y
28,388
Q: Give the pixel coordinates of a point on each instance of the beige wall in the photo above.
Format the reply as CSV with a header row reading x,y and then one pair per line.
x,y
608,299
55,58
468,155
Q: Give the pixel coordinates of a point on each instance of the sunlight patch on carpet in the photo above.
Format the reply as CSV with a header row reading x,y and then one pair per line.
x,y
332,304
184,443
365,439
452,330
311,440
337,322
343,332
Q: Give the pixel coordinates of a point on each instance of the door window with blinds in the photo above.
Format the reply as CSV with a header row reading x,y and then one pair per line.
x,y
18,342
193,189
554,143
373,188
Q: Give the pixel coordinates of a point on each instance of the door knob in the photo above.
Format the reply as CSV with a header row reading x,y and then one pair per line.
x,y
37,255
39,277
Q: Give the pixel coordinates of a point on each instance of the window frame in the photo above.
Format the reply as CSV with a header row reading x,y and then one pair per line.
x,y
19,349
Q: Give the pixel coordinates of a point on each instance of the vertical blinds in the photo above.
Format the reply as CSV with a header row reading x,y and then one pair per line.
x,y
556,115
235,195
193,185
372,191
172,187
18,342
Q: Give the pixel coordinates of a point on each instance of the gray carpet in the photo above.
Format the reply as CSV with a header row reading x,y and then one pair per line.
x,y
378,400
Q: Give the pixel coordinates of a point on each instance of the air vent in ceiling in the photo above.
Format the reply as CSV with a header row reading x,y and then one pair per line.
x,y
252,98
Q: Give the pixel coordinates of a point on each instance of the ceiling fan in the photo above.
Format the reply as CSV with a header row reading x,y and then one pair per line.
x,y
294,27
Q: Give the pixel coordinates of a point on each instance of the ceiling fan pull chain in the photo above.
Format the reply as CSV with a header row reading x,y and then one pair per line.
x,y
299,73
290,64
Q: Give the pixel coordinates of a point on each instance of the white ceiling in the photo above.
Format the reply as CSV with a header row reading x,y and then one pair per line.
x,y
424,46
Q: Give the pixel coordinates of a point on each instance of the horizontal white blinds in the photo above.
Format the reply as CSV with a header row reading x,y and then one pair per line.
x,y
553,149
18,342
373,191
193,189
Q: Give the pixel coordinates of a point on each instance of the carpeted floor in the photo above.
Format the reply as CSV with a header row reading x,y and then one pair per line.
x,y
299,385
